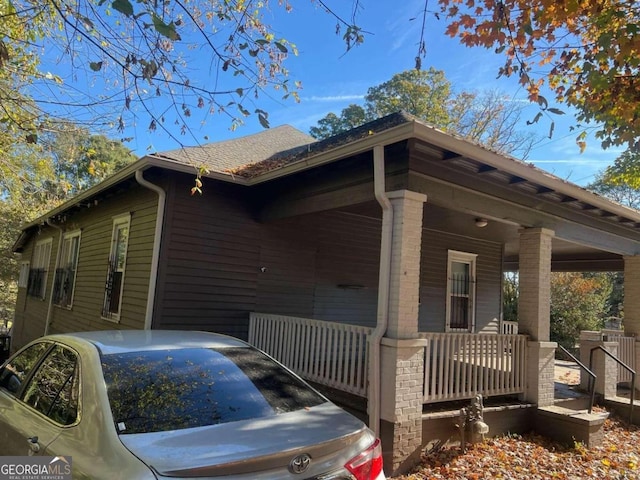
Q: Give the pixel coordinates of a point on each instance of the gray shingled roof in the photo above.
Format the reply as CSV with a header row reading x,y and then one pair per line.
x,y
229,155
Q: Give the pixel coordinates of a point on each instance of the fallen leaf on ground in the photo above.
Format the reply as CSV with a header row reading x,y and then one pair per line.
x,y
532,457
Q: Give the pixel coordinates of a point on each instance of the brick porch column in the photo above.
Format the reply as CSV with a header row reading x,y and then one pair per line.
x,y
632,302
401,352
605,368
534,305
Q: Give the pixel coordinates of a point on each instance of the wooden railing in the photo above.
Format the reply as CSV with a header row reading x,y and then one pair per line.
x,y
461,365
329,353
457,365
508,328
626,352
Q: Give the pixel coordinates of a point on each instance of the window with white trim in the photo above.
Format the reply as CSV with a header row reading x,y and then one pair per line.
x,y
461,291
23,279
39,269
116,268
65,279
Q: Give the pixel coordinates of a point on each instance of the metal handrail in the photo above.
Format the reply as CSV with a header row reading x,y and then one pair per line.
x,y
626,367
592,377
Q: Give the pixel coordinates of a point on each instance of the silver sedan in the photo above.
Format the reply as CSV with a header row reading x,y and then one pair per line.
x,y
161,404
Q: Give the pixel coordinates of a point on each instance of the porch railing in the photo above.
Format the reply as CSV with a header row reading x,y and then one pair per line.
x,y
508,328
457,365
461,365
626,352
329,353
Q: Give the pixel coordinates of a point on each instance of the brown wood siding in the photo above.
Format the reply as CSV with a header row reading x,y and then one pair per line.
x,y
308,257
287,284
433,287
209,259
347,268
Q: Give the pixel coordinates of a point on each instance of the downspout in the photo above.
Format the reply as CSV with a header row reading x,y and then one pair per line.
x,y
47,322
155,255
384,282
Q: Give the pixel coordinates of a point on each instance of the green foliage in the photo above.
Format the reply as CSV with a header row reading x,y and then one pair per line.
x,y
81,160
624,174
423,93
487,118
138,52
510,291
332,124
37,178
578,302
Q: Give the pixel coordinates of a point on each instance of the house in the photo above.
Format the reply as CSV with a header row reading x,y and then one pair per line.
x,y
371,261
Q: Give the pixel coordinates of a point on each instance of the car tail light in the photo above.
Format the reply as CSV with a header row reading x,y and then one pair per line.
x,y
368,464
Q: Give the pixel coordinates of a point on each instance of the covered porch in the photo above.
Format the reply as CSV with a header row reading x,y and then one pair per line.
x,y
405,299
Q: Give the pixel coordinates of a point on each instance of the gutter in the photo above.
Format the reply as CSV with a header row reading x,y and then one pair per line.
x,y
384,283
155,255
47,322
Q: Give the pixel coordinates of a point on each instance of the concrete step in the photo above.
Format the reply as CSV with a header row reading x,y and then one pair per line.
x,y
578,402
622,407
569,425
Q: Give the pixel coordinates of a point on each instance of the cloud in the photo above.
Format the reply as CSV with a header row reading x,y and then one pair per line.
x,y
333,98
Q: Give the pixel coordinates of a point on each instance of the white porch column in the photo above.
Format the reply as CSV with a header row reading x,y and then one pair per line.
x,y
401,352
632,303
534,306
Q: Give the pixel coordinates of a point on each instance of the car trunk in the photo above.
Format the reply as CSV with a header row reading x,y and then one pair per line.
x,y
253,448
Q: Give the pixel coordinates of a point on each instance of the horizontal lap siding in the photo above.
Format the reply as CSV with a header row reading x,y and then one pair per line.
x,y
348,268
31,313
95,246
288,258
96,225
433,287
307,257
209,260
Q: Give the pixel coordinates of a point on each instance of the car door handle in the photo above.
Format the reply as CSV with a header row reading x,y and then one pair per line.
x,y
33,444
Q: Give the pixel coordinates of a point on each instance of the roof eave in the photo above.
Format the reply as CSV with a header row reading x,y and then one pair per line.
x,y
386,137
143,163
521,169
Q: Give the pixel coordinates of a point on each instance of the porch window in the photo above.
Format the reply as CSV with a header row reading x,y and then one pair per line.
x,y
39,270
461,292
65,278
116,268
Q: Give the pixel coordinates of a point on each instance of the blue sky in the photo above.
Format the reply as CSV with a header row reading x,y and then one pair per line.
x,y
332,79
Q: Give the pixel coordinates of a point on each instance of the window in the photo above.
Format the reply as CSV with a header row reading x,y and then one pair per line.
x,y
37,283
115,272
53,390
65,278
23,279
15,373
160,390
461,292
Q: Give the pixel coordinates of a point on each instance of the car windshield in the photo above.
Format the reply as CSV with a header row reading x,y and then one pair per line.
x,y
161,390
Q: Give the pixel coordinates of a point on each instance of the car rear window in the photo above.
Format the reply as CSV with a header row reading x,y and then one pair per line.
x,y
164,390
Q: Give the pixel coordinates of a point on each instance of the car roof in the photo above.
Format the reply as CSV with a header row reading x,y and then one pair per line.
x,y
123,341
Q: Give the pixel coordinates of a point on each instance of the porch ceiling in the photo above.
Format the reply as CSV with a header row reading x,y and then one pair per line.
x,y
566,256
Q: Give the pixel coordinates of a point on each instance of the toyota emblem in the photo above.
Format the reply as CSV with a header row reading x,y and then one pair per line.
x,y
300,463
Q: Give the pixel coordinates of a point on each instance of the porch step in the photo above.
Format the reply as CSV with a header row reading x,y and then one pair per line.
x,y
576,402
621,406
568,425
